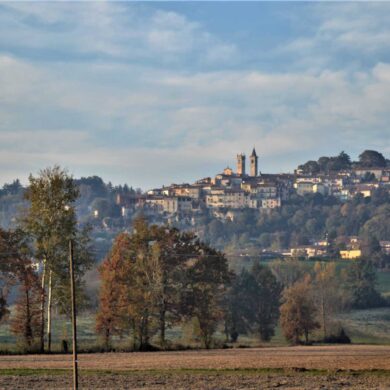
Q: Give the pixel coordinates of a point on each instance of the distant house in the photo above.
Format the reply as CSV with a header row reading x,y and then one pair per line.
x,y
308,251
385,246
309,187
270,203
227,198
362,172
351,254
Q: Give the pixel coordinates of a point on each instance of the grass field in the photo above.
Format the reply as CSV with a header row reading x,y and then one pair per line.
x,y
363,326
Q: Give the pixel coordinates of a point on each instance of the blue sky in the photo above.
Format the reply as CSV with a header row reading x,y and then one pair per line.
x,y
151,93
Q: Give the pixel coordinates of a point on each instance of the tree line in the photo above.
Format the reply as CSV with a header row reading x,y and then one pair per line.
x,y
367,159
156,277
302,219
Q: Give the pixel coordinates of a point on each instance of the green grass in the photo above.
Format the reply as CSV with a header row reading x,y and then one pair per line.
x,y
34,371
362,326
384,282
367,326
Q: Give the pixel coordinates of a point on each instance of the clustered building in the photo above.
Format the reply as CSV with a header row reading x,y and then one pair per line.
x,y
229,190
343,185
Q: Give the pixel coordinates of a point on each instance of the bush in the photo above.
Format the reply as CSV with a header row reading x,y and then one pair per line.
x,y
340,338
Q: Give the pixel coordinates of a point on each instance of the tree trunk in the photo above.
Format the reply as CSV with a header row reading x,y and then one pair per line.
x,y
146,331
107,338
162,326
134,328
323,314
28,330
42,330
226,330
49,301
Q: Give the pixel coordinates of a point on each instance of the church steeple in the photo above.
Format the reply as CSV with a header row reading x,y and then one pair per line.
x,y
253,160
254,152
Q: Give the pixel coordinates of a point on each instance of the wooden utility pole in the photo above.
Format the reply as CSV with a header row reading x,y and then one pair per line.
x,y
74,322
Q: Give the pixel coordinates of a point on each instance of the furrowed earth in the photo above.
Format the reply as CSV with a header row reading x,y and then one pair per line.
x,y
320,367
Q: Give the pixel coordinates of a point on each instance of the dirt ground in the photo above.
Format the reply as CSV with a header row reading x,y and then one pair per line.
x,y
319,367
184,381
345,357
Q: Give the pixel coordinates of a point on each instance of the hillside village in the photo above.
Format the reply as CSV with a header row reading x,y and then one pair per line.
x,y
232,190
232,208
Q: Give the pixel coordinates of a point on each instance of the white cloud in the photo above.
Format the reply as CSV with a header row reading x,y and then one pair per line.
x,y
347,35
195,123
116,31
150,124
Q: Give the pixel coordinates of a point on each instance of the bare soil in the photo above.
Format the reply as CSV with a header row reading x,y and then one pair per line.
x,y
319,367
184,381
343,357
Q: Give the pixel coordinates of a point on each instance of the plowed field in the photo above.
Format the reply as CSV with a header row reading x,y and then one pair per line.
x,y
326,367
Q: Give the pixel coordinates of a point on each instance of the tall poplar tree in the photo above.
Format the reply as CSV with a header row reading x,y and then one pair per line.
x,y
51,221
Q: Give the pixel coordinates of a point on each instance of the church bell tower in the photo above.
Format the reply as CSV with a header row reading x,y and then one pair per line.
x,y
241,164
253,160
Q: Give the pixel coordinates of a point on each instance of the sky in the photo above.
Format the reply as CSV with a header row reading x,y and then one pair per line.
x,y
153,93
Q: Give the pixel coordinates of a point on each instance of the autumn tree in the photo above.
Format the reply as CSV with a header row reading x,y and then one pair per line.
x,y
18,269
25,322
327,293
113,297
298,311
148,279
6,274
146,272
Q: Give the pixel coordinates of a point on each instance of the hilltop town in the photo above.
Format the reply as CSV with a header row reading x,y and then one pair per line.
x,y
233,190
244,210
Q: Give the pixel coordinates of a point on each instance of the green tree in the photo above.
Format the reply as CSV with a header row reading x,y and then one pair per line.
x,y
51,221
310,167
360,283
207,281
372,158
254,302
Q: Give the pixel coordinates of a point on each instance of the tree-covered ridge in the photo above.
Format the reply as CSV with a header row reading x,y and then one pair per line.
x,y
367,159
157,277
304,219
